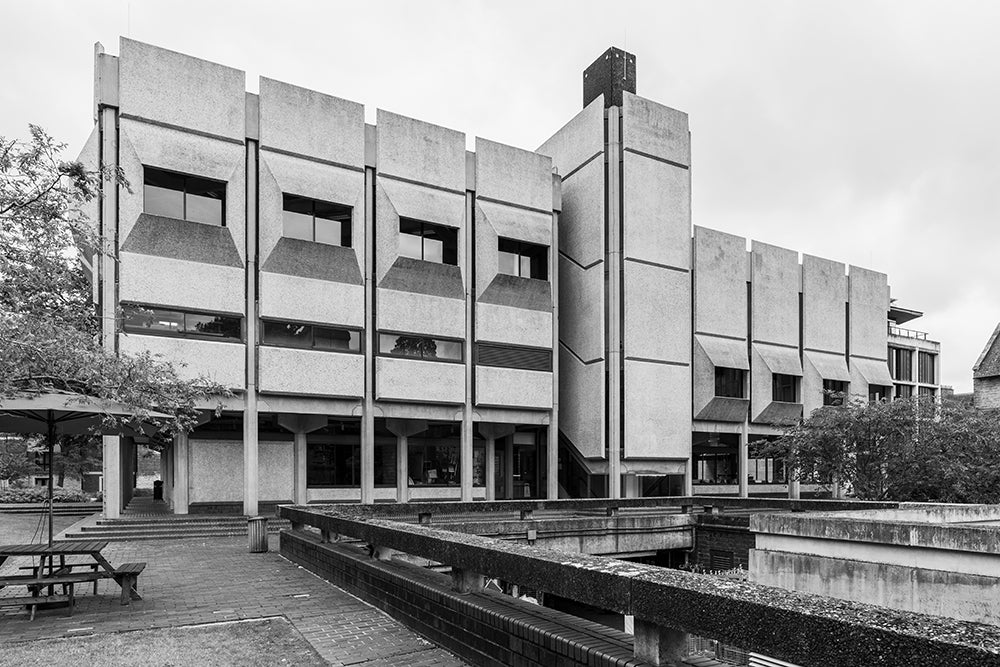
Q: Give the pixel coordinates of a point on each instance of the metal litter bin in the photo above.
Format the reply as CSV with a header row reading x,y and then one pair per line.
x,y
257,534
158,490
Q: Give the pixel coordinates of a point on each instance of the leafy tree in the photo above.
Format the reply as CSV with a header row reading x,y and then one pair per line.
x,y
49,328
904,450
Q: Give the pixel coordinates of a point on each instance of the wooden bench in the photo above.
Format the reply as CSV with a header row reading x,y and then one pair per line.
x,y
34,601
65,569
127,576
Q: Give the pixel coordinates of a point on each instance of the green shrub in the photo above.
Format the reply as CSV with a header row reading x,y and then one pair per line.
x,y
38,494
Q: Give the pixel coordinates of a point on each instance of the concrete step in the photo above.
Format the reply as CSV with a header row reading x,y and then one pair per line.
x,y
172,519
141,535
177,526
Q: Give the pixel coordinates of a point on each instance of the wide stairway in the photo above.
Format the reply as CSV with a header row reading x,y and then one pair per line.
x,y
148,519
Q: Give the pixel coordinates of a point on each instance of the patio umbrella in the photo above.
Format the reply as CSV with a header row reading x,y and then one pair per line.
x,y
64,413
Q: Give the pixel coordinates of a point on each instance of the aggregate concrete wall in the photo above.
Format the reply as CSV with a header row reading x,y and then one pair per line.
x,y
320,373
513,388
223,362
421,381
969,597
212,462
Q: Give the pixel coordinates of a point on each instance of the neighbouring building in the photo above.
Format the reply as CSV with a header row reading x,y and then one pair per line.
x,y
986,374
914,359
400,317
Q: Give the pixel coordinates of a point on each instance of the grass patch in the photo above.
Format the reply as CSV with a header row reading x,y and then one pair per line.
x,y
269,641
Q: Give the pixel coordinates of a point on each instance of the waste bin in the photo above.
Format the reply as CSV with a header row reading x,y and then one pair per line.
x,y
158,490
257,534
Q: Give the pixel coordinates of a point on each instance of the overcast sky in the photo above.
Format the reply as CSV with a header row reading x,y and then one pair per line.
x,y
865,132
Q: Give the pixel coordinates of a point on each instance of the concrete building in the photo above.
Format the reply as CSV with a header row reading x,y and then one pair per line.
x,y
914,359
986,374
385,304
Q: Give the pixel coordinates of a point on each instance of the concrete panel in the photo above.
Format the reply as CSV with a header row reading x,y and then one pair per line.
x,y
657,211
578,140
419,151
173,282
306,299
581,404
513,175
968,597
276,470
720,283
517,223
215,470
90,159
869,298
144,144
657,412
309,123
513,388
415,201
288,371
517,326
581,309
408,312
761,389
655,129
703,379
775,292
222,362
280,174
581,223
176,89
419,381
657,313
824,299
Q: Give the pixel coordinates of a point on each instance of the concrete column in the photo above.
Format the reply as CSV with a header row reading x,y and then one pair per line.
x,y
689,477
368,411
659,645
181,484
552,463
466,455
112,477
613,314
466,581
491,469
744,461
299,456
250,443
465,458
402,470
508,468
794,489
631,486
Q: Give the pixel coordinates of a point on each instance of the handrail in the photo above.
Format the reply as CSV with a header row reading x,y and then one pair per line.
x,y
907,333
797,627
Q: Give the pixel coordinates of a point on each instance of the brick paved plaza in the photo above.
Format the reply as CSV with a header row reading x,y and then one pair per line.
x,y
195,581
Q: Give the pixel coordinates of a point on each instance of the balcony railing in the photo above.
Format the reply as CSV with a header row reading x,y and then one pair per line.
x,y
907,333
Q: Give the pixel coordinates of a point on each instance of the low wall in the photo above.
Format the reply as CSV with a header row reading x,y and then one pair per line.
x,y
722,542
483,628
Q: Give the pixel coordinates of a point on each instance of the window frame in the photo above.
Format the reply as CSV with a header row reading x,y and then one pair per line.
x,y
836,386
312,336
721,372
184,312
346,223
184,199
423,236
777,378
378,347
517,248
926,362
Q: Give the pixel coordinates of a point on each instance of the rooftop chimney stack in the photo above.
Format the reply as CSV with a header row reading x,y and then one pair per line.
x,y
609,75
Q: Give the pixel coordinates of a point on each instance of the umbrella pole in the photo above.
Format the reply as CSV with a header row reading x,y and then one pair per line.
x,y
52,437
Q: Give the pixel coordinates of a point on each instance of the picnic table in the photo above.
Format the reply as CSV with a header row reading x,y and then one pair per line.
x,y
48,574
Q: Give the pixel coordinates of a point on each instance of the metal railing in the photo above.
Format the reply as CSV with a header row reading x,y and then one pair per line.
x,y
907,333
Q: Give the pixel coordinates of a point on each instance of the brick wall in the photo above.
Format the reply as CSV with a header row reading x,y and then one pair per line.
x,y
485,628
723,542
986,392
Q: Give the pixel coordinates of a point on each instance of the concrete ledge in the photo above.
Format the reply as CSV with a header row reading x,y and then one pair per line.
x,y
800,628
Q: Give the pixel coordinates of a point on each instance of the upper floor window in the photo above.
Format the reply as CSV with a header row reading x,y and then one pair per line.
x,y
925,367
926,392
729,382
428,242
877,392
784,388
519,258
184,197
420,347
310,336
901,364
313,220
169,322
834,392
904,391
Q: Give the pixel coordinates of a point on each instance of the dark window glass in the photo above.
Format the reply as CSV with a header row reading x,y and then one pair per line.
x,y
904,391
168,322
925,367
729,382
333,464
428,242
420,347
834,392
184,197
309,336
784,388
878,392
901,364
523,259
925,392
313,220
